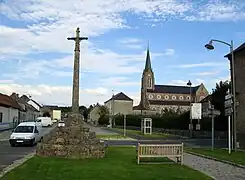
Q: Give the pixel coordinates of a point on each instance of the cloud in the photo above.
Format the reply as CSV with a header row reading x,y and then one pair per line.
x,y
169,52
118,82
218,10
205,64
131,43
61,95
208,73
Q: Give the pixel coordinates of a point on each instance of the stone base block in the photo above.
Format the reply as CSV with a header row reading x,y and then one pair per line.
x,y
71,151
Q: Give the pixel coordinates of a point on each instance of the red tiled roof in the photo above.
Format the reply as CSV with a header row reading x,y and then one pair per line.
x,y
7,101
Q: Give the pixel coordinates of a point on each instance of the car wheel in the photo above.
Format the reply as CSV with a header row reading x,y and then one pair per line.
x,y
12,145
33,142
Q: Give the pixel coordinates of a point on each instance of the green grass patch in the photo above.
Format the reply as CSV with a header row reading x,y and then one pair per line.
x,y
235,157
112,136
119,164
136,132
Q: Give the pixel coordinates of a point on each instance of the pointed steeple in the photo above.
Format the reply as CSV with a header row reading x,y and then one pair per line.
x,y
148,59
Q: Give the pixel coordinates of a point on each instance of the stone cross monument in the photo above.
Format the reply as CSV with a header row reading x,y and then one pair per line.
x,y
75,90
74,140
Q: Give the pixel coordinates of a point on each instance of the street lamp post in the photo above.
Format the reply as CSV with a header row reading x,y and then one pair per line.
x,y
210,46
190,126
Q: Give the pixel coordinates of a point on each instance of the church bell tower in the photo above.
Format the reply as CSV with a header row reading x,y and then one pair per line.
x,y
147,80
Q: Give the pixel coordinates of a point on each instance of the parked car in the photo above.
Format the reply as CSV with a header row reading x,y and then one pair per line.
x,y
61,124
45,121
26,133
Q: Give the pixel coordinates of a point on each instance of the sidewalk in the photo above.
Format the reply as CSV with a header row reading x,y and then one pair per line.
x,y
4,136
215,169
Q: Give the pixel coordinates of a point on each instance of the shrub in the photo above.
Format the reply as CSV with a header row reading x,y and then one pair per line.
x,y
104,120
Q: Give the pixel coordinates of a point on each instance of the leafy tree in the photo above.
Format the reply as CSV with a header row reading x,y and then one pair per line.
x,y
104,115
46,114
218,100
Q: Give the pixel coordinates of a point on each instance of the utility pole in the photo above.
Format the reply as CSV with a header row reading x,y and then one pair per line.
x,y
75,89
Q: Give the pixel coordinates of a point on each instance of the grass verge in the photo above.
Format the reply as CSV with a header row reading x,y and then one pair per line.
x,y
119,164
153,135
222,154
113,137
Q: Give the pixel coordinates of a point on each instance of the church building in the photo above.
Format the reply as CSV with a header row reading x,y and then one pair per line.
x,y
156,98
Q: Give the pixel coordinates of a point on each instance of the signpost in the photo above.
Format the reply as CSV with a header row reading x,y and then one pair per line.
x,y
228,112
209,111
124,129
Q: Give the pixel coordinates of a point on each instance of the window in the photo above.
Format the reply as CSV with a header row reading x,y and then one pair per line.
x,y
24,129
173,97
166,97
149,85
1,117
158,96
181,98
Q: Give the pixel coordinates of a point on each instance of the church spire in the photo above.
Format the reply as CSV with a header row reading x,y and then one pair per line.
x,y
148,59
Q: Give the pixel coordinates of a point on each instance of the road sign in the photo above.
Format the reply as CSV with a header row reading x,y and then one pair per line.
x,y
228,111
228,103
211,113
228,96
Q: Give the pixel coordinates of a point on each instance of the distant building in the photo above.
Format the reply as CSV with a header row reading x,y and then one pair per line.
x,y
93,115
9,111
239,55
29,113
53,111
155,98
120,104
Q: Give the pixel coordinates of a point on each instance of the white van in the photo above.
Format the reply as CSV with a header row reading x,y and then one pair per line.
x,y
44,121
26,133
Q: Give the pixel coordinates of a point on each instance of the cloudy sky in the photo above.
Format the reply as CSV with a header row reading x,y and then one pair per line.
x,y
36,58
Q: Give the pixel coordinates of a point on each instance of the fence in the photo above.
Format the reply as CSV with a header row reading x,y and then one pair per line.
x,y
185,133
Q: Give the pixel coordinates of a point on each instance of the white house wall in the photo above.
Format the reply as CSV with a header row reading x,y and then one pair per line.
x,y
9,114
34,105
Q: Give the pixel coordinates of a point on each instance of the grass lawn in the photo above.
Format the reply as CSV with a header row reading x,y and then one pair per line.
x,y
236,157
120,164
113,137
136,132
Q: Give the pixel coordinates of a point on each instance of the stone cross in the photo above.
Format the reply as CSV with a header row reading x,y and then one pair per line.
x,y
75,90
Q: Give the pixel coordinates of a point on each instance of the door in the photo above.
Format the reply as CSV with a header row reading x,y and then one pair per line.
x,y
37,134
1,117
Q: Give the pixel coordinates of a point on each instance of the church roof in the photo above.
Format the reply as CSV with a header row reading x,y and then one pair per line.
x,y
120,96
172,89
148,60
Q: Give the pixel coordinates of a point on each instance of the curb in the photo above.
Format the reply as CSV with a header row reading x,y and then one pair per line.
x,y
218,160
15,164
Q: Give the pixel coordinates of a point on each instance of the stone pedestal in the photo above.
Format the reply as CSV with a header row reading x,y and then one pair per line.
x,y
72,141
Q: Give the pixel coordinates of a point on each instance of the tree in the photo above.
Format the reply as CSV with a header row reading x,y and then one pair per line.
x,y
46,114
218,100
104,115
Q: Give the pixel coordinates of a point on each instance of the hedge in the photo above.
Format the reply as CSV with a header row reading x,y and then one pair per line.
x,y
180,122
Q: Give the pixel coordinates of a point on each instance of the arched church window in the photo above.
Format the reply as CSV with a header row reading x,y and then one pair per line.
x,y
149,85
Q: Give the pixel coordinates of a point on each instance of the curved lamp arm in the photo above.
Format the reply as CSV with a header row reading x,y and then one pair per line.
x,y
223,42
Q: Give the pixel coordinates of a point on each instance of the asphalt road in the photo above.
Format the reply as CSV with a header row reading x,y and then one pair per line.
x,y
10,154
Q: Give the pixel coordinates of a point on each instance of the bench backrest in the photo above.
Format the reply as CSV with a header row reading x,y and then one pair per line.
x,y
160,150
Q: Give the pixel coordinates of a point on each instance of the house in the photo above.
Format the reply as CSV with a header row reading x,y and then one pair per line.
x,y
159,97
93,115
53,111
119,104
239,61
9,112
29,112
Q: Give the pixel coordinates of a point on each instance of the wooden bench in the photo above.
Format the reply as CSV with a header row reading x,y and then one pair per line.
x,y
171,151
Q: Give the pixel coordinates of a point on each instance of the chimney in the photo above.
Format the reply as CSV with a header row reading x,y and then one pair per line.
x,y
14,96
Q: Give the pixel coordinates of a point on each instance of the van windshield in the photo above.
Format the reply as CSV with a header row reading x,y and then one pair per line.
x,y
24,129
